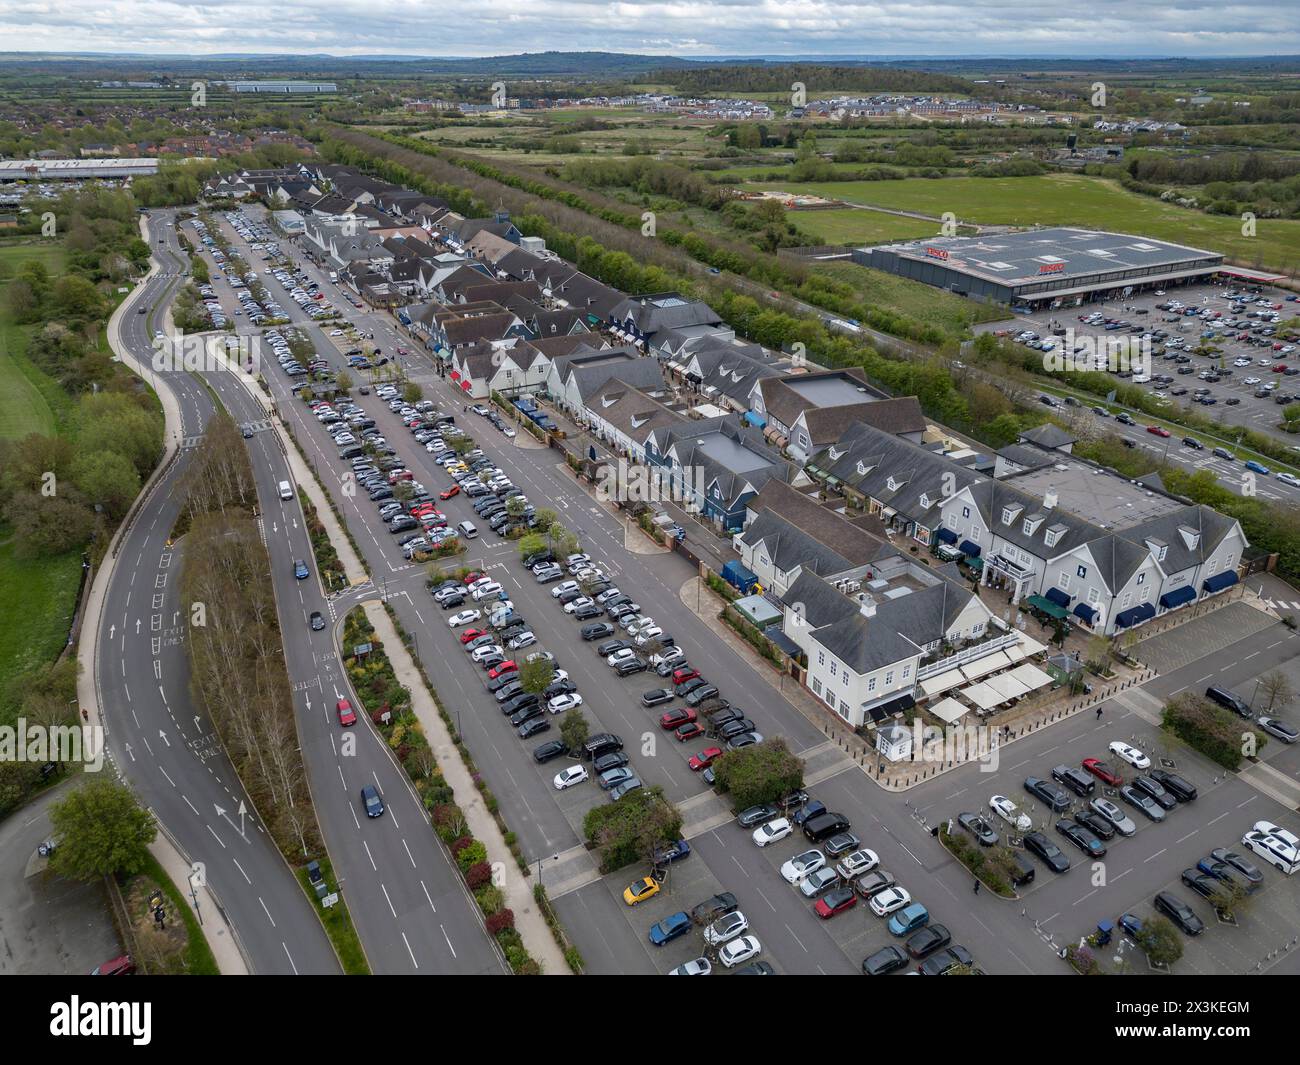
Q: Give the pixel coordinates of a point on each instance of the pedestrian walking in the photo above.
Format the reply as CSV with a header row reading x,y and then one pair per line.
x,y
1099,713
977,887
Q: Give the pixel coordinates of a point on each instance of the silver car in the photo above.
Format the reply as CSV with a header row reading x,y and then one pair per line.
x,y
816,884
1123,823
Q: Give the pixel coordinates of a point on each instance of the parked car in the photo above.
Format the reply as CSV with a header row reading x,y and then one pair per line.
x,y
1179,912
1049,852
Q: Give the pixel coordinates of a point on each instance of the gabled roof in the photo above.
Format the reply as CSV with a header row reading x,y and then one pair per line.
x,y
1048,435
1207,525
798,528
893,416
653,313
785,404
993,497
1117,560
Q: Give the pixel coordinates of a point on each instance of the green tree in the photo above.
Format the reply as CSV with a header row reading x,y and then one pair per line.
x,y
101,830
412,393
107,478
534,676
1276,690
74,296
1160,941
574,729
761,773
531,544
343,381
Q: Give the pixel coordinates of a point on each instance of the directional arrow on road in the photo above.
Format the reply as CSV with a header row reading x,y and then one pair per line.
x,y
111,629
163,736
130,752
222,813
137,626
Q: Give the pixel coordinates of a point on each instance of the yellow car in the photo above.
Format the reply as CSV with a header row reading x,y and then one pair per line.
x,y
645,888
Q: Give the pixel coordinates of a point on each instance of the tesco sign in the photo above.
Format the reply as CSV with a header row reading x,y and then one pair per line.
x,y
1052,268
936,253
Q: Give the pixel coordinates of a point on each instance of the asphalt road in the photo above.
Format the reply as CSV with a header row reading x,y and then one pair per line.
x,y
158,739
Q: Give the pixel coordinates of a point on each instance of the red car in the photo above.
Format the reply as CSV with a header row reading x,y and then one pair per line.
x,y
508,666
473,575
835,903
681,716
121,966
447,493
1156,430
681,676
346,714
1103,772
1279,367
421,509
472,634
688,732
705,758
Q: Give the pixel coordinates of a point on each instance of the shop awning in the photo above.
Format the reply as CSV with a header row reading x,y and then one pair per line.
x,y
1086,612
1135,615
1178,597
1029,645
1006,685
982,667
969,549
755,419
947,535
893,706
1220,581
1030,676
1046,606
949,710
983,696
467,384
1060,598
942,682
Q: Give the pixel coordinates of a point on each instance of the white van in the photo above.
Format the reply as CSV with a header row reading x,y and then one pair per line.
x,y
286,490
467,530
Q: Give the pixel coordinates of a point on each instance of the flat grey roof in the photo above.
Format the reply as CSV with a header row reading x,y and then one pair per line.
x,y
1044,254
1102,498
731,455
828,391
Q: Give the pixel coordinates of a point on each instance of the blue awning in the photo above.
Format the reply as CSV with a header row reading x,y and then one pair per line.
x,y
947,535
755,419
1088,613
1178,597
970,549
1220,581
1135,615
1057,596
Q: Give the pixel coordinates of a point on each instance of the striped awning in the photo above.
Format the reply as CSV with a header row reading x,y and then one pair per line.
x,y
942,682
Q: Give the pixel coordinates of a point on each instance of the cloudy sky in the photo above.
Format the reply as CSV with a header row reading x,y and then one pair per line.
x,y
1099,28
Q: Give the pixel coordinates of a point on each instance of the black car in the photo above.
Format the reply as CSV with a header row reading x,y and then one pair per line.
x,y
811,808
1156,791
1240,864
509,689
1179,912
1096,824
1182,790
559,687
1081,838
758,815
527,713
586,613
606,762
978,826
793,801
1211,888
656,696
610,646
946,960
1057,799
688,686
886,960
549,750
533,726
713,907
841,843
700,695
1047,850
501,681
520,702
1193,443
734,728
630,666
316,621
597,631
925,942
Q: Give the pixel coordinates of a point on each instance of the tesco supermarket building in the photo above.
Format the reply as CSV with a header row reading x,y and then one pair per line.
x,y
1043,267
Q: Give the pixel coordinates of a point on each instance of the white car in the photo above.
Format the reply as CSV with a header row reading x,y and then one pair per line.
x,y
885,902
463,618
336,332
566,778
646,635
1130,754
1272,850
856,863
563,588
564,702
1281,834
480,653
1010,813
772,832
726,928
640,625
697,967
801,865
739,950
485,590
1289,478
625,655
525,639
668,654
1250,380
578,604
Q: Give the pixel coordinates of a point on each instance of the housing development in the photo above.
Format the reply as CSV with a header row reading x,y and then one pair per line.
x,y
603,514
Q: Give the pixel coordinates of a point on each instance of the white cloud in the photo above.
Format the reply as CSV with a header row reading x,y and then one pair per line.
x,y
695,28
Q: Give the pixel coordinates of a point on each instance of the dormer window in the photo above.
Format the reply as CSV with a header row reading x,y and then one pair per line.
x,y
1050,538
1031,525
1010,513
893,487
925,500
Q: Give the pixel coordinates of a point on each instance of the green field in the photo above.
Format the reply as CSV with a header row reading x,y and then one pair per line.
x,y
23,409
1072,199
13,256
944,310
37,597
849,226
